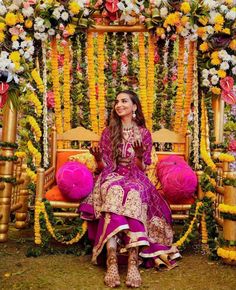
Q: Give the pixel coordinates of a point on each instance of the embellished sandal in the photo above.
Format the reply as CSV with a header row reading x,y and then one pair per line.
x,y
112,278
133,278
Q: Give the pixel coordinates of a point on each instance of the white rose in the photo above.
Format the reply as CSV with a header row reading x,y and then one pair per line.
x,y
51,31
15,45
233,59
3,10
163,12
231,15
234,70
37,35
224,65
64,16
27,12
205,83
223,8
213,71
214,79
56,14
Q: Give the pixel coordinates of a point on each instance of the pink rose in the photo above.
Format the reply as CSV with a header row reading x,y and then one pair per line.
x,y
232,145
114,65
50,100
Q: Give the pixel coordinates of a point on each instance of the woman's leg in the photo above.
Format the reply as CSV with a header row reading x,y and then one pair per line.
x,y
112,278
133,278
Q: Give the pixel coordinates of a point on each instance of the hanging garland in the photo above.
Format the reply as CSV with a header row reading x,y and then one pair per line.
x,y
32,97
40,209
9,145
66,87
56,88
142,75
75,83
91,81
189,87
180,89
150,81
101,79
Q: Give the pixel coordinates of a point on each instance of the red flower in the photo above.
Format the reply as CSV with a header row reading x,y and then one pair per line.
x,y
50,100
227,83
229,97
111,6
3,94
232,145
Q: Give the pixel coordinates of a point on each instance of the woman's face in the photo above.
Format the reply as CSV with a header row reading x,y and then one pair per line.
x,y
124,107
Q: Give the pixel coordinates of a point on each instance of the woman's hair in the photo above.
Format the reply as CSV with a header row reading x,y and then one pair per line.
x,y
115,125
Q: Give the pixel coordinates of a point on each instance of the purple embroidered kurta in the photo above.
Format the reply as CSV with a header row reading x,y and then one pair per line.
x,y
125,203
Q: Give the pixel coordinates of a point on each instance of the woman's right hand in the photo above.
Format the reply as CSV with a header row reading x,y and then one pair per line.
x,y
96,152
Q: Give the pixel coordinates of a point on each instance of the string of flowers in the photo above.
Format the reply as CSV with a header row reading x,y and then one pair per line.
x,y
226,208
226,254
32,97
142,75
181,241
56,89
91,82
66,87
226,157
35,127
180,89
189,87
203,146
36,77
45,109
150,80
101,79
119,41
40,209
204,229
36,154
130,56
195,114
75,83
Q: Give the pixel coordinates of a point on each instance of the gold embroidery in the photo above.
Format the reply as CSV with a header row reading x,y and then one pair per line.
x,y
159,231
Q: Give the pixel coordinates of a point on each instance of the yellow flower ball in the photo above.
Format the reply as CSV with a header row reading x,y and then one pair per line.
x,y
203,20
232,44
184,20
226,31
216,61
2,26
15,56
2,36
20,18
28,23
14,37
219,19
185,7
216,90
70,28
204,47
214,54
10,19
160,31
221,73
218,27
201,31
74,7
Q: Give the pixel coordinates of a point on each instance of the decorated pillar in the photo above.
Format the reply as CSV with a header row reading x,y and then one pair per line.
x,y
6,167
218,108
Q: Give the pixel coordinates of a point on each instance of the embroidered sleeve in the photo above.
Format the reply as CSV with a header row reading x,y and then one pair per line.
x,y
106,148
147,142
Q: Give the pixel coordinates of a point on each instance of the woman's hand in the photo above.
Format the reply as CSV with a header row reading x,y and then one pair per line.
x,y
138,149
96,152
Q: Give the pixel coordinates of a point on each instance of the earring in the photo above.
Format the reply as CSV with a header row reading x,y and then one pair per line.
x,y
134,115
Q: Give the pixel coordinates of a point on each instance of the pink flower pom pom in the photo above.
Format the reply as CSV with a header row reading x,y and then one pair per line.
x,y
74,180
178,180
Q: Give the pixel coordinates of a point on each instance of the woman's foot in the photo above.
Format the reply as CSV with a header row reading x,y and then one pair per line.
x,y
112,277
133,278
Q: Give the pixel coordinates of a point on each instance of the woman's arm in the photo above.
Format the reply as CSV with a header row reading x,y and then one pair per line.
x,y
139,152
96,152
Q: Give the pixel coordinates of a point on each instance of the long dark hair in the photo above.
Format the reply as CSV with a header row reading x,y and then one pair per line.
x,y
115,124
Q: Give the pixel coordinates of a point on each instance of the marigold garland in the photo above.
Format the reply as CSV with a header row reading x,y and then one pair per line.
x,y
66,87
180,89
142,75
203,146
226,254
204,229
40,208
36,154
226,208
101,79
91,82
189,87
35,127
32,97
150,80
181,241
35,75
56,89
226,157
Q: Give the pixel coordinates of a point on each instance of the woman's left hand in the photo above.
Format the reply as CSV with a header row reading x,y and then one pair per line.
x,y
138,149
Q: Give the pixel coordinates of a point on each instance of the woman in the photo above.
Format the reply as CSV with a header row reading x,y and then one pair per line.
x,y
131,214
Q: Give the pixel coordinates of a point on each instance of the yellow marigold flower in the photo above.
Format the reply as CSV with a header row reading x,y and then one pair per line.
x,y
17,65
221,73
70,28
218,27
185,7
15,56
214,54
10,19
201,31
74,7
216,90
184,20
2,36
28,23
232,44
160,31
2,26
219,19
229,2
20,18
215,61
203,20
204,47
14,37
226,31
